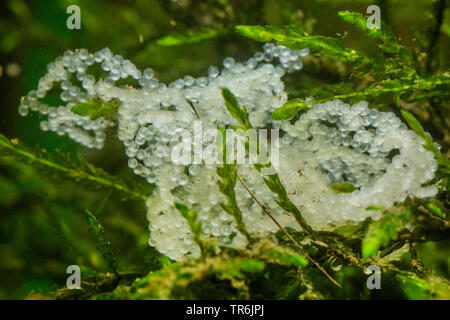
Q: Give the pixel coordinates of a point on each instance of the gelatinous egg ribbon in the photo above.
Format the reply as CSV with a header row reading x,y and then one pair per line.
x,y
333,143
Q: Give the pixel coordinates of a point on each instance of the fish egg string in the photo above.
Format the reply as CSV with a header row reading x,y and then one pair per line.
x,y
331,143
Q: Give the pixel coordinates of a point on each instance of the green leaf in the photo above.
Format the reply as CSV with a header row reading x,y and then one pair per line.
x,y
194,224
80,172
446,29
415,125
383,231
274,184
294,37
371,246
287,257
428,141
237,266
388,42
191,217
82,109
96,108
354,231
375,208
227,187
413,287
273,181
192,36
343,187
258,33
233,108
380,92
435,207
103,245
250,265
289,109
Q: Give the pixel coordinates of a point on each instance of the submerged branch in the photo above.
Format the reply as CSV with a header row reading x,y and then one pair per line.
x,y
77,174
267,211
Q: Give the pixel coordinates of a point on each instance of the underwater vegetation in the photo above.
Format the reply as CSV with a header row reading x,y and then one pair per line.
x,y
131,167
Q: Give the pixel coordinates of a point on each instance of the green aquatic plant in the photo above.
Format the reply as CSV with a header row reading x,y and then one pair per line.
x,y
242,232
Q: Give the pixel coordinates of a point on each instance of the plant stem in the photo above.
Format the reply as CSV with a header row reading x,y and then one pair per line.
x,y
375,91
269,214
72,173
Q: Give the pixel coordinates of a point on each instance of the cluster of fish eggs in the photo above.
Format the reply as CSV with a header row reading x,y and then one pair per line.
x,y
331,143
335,143
150,116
